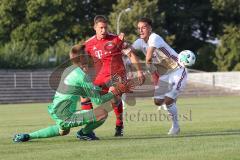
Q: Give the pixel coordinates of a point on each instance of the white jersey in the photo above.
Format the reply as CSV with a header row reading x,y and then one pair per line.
x,y
164,57
173,77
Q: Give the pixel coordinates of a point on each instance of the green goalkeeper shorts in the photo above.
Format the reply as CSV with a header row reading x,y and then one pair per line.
x,y
66,117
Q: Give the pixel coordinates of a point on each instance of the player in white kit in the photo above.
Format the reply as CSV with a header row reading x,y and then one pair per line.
x,y
167,68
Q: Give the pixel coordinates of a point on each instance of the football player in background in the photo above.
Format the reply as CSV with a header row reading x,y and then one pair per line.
x,y
167,68
106,50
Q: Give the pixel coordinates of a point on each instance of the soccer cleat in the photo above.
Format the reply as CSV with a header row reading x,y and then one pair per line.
x,y
87,137
21,138
174,131
118,131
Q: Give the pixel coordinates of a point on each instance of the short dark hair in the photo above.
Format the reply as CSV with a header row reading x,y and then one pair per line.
x,y
100,18
146,20
75,53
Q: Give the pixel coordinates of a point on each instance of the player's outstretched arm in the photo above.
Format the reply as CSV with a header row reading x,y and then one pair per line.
x,y
135,62
117,89
151,68
127,50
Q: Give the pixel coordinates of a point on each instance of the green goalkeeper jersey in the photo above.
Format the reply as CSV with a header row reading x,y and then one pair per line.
x,y
75,83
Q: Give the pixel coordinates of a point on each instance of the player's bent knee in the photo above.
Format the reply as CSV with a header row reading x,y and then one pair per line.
x,y
100,114
64,132
158,102
169,101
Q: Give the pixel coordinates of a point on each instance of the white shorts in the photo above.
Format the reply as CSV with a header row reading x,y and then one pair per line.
x,y
171,84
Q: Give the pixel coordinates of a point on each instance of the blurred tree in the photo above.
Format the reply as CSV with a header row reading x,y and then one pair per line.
x,y
190,22
183,24
228,9
17,55
228,50
205,56
128,22
42,23
12,14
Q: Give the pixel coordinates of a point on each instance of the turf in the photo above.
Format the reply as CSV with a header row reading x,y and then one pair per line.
x,y
210,129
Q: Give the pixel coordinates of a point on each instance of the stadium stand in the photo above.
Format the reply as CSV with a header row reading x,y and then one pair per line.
x,y
23,86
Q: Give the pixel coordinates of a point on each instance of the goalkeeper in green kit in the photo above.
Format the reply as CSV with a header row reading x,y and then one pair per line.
x,y
63,110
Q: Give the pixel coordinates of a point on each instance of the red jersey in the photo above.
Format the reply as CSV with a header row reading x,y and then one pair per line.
x,y
107,57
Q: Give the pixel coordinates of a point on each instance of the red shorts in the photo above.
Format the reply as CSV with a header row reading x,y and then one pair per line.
x,y
106,82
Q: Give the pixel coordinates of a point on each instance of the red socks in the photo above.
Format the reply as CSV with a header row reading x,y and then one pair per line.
x,y
118,109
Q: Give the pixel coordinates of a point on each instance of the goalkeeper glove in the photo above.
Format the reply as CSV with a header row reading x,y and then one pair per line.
x,y
119,88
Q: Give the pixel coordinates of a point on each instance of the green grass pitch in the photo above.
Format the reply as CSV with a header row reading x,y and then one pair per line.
x,y
210,129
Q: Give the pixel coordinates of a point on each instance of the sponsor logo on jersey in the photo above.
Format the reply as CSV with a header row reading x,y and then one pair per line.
x,y
109,46
98,54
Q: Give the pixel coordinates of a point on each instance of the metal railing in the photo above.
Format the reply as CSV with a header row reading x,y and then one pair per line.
x,y
24,79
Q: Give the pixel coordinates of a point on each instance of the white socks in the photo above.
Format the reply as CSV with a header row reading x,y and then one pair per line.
x,y
172,110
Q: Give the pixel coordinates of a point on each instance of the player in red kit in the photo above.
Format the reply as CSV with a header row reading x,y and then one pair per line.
x,y
106,50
